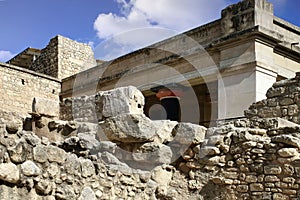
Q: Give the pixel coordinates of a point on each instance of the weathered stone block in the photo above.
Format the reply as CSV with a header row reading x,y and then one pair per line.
x,y
154,153
256,187
288,152
187,133
128,128
287,139
55,154
46,107
40,154
87,193
124,100
87,167
272,169
164,130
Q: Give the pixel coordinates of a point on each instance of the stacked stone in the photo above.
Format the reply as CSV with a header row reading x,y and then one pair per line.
x,y
283,100
125,155
35,168
63,57
95,108
19,86
47,62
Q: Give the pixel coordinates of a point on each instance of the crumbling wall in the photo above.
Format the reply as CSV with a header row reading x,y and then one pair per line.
x,y
124,155
64,57
283,100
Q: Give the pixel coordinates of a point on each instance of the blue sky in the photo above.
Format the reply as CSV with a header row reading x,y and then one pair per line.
x,y
31,23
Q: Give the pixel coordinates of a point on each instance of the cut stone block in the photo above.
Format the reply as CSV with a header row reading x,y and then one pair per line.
x,y
45,107
123,100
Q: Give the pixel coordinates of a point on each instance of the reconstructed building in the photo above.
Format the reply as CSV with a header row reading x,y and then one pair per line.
x,y
226,65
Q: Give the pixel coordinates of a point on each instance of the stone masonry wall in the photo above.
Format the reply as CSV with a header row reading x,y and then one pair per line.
x,y
64,57
128,156
19,86
283,100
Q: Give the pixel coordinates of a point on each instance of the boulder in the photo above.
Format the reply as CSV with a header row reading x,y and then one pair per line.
x,y
29,168
9,172
128,128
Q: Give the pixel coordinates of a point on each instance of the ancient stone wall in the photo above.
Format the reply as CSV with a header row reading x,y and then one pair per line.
x,y
126,155
19,86
283,100
63,57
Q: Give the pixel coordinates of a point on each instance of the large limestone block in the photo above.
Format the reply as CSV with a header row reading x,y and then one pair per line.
x,y
46,107
164,130
122,100
187,133
153,153
128,128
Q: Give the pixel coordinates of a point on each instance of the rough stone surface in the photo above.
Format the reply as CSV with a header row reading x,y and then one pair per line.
x,y
187,133
124,100
9,172
128,128
87,193
29,168
47,107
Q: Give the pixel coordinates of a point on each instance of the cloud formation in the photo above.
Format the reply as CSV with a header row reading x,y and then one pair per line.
x,y
172,16
5,55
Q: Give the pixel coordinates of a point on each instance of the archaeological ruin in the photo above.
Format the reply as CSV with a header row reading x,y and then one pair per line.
x,y
209,114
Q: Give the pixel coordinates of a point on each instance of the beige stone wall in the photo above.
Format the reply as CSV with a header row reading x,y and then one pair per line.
x,y
19,86
64,57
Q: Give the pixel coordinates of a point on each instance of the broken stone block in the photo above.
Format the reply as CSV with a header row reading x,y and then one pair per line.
x,y
19,152
87,167
162,175
164,130
154,153
187,133
45,107
128,128
123,100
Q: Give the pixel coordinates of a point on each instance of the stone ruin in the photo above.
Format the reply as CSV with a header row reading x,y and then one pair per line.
x,y
104,147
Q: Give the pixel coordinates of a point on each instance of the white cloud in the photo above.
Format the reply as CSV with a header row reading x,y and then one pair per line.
x,y
5,55
140,15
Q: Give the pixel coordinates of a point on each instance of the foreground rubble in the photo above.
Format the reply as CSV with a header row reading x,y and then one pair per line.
x,y
121,154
